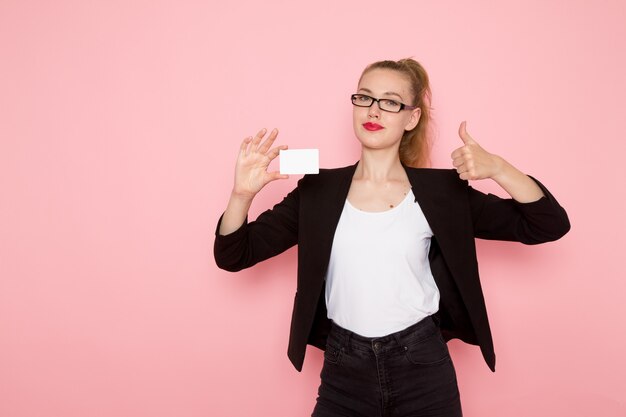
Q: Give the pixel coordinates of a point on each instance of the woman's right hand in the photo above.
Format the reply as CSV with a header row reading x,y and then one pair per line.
x,y
255,156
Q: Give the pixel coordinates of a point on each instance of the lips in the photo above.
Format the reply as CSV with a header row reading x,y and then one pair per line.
x,y
372,127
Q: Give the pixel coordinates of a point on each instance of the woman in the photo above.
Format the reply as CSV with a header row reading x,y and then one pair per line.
x,y
387,269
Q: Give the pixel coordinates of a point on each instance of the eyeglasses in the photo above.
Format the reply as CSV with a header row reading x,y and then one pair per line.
x,y
361,100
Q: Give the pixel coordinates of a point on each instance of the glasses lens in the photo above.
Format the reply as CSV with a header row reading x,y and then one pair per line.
x,y
390,105
362,100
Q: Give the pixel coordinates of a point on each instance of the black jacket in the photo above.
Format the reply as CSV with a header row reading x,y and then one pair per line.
x,y
456,213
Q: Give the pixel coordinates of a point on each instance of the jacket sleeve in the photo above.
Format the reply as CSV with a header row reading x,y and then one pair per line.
x,y
496,218
273,232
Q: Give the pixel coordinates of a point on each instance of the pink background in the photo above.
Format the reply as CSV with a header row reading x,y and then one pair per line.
x,y
119,126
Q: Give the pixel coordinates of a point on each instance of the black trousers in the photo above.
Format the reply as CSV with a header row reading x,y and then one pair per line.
x,y
408,373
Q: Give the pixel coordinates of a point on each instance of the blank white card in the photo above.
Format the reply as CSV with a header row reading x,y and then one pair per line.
x,y
300,161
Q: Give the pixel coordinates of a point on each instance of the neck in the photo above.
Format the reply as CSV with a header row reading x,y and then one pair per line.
x,y
379,165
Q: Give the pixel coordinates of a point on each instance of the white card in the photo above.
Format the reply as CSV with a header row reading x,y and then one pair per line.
x,y
300,161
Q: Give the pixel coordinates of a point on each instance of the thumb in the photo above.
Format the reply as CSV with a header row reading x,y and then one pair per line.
x,y
465,137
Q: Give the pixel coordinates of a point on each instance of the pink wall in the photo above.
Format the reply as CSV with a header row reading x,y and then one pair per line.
x,y
119,125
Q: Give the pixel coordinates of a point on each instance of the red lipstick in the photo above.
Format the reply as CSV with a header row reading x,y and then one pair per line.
x,y
372,127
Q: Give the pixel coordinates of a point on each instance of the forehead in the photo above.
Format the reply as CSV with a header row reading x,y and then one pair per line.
x,y
382,80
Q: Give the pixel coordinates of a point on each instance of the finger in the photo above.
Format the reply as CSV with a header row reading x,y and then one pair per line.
x,y
276,175
244,145
466,172
458,152
465,137
466,166
276,151
462,152
258,137
457,162
268,142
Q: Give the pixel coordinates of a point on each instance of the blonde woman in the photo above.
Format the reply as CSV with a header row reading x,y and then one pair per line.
x,y
387,269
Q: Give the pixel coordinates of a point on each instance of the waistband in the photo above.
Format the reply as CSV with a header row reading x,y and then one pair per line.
x,y
420,330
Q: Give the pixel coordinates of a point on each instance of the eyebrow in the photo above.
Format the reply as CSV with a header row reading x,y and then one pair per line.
x,y
388,93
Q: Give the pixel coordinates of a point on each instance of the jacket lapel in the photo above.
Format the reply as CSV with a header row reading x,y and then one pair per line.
x,y
440,195
324,204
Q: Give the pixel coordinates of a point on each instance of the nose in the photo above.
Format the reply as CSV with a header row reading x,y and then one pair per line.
x,y
374,111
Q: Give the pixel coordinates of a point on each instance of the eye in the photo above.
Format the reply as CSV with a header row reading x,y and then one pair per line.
x,y
391,103
363,99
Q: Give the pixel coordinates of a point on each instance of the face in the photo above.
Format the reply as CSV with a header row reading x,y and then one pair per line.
x,y
376,128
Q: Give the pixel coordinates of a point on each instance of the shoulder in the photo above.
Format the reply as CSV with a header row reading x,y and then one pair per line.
x,y
328,184
445,180
327,177
444,173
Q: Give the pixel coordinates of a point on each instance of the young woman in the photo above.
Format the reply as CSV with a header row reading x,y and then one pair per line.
x,y
387,268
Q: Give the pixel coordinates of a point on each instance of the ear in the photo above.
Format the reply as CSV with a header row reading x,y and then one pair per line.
x,y
414,120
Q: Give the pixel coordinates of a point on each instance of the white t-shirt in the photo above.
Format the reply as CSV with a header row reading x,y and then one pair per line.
x,y
379,279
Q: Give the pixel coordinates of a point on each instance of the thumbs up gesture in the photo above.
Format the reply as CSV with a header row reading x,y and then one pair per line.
x,y
471,161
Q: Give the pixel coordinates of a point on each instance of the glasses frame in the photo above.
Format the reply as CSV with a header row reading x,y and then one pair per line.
x,y
377,101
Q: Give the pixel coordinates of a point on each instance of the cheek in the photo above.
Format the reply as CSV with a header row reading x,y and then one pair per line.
x,y
359,114
356,120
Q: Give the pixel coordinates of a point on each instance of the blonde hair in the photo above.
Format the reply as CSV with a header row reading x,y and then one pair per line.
x,y
415,144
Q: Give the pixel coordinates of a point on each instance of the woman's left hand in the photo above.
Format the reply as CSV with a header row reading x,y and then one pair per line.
x,y
471,161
